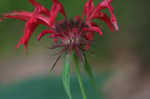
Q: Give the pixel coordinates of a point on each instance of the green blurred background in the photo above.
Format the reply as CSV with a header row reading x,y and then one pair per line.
x,y
33,69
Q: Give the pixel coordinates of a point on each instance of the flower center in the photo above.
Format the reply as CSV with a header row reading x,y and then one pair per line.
x,y
70,34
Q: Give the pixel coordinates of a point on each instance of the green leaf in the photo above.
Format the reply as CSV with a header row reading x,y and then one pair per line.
x,y
66,73
88,69
76,61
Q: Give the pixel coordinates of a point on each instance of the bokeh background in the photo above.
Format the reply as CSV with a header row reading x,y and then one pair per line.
x,y
113,52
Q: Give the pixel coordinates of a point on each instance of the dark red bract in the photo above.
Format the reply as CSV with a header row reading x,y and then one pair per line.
x,y
75,34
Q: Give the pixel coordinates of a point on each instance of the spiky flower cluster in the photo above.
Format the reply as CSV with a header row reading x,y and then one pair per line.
x,y
72,36
75,34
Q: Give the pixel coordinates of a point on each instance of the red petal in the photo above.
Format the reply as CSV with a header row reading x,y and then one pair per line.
x,y
113,17
17,15
56,8
29,29
62,11
90,35
33,20
56,35
53,16
43,10
94,28
31,25
77,18
88,8
116,26
44,33
25,16
103,5
93,24
105,18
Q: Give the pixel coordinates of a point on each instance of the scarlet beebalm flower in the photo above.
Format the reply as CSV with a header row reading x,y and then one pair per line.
x,y
75,34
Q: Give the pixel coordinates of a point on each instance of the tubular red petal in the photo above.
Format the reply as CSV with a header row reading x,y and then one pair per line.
x,y
44,33
93,24
77,18
88,8
25,16
60,6
113,17
53,16
18,15
94,28
97,30
102,5
116,26
56,35
43,10
29,29
99,8
34,3
105,18
90,35
56,8
31,25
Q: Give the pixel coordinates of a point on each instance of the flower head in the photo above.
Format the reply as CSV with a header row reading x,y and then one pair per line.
x,y
75,34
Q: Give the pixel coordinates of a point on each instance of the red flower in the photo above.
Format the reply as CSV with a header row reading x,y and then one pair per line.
x,y
70,35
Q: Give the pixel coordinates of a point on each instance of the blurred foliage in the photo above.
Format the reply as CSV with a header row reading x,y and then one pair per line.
x,y
50,87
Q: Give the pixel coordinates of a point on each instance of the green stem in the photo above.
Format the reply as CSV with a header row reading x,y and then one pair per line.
x,y
88,69
76,61
66,73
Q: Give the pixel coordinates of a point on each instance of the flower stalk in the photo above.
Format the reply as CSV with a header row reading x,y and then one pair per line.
x,y
88,70
66,73
76,61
